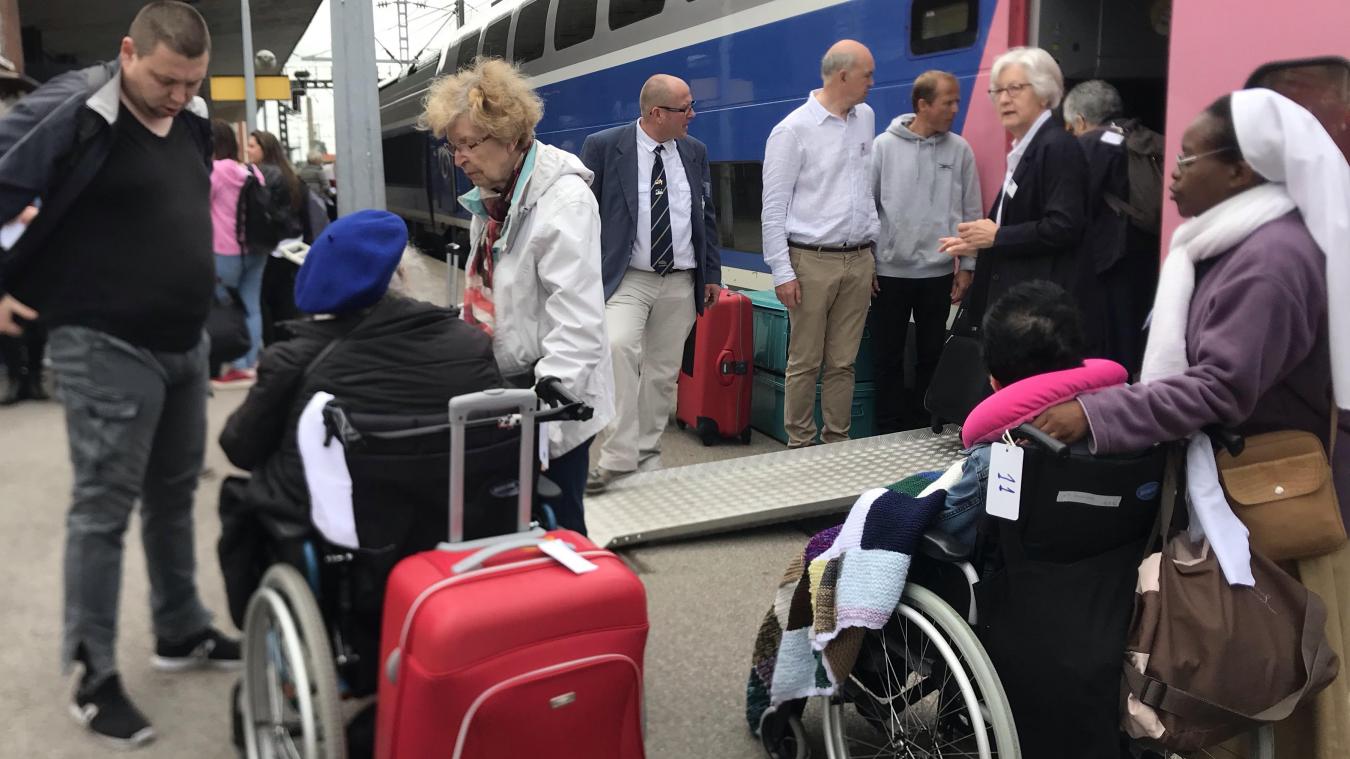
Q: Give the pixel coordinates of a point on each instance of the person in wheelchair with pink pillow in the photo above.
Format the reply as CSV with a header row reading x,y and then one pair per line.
x,y
1033,346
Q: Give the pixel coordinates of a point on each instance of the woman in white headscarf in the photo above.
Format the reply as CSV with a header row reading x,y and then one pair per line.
x,y
1250,330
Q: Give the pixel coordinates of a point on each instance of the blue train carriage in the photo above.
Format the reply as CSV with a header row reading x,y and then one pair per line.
x,y
749,63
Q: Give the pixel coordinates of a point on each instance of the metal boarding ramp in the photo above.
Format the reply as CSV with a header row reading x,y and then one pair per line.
x,y
768,488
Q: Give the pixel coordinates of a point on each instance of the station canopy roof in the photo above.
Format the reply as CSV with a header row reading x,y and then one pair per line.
x,y
83,32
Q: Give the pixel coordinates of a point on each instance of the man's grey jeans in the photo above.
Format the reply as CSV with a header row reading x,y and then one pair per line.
x,y
136,422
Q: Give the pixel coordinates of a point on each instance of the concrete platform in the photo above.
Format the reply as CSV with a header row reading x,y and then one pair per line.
x,y
706,598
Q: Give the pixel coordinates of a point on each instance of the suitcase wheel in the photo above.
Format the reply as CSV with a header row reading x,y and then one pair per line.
x,y
680,423
745,436
707,431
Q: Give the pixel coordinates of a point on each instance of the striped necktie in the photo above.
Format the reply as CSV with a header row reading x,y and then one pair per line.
x,y
663,250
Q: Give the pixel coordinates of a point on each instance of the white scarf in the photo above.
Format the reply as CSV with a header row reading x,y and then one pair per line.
x,y
1219,229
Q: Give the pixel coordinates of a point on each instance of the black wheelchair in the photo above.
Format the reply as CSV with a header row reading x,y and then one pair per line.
x,y
1013,646
312,621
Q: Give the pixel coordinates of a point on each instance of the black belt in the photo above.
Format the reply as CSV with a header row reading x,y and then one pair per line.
x,y
831,248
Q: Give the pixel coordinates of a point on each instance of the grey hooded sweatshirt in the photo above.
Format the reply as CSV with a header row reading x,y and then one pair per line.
x,y
924,187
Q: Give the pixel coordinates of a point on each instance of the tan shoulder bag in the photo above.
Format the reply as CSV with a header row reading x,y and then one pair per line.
x,y
1281,487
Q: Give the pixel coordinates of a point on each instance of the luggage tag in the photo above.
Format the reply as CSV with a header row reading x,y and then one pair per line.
x,y
565,555
1003,498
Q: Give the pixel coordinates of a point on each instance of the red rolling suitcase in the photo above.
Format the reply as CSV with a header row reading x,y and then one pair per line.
x,y
493,648
716,376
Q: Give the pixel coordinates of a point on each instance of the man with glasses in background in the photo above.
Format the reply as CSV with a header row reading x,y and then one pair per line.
x,y
659,261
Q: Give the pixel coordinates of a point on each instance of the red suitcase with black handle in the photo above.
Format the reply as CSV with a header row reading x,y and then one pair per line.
x,y
717,374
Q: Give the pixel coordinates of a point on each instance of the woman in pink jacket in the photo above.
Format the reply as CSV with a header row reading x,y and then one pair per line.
x,y
238,270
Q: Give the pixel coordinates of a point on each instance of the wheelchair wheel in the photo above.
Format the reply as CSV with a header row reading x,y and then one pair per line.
x,y
290,696
923,687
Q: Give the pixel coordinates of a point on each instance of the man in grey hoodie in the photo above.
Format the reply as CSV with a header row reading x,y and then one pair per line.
x,y
924,182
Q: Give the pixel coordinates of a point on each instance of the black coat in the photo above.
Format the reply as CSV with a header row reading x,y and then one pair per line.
x,y
1117,261
1042,221
402,356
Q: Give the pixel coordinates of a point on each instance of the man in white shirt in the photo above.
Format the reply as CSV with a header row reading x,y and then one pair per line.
x,y
819,228
659,261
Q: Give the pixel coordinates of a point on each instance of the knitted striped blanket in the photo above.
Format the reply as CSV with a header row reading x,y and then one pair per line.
x,y
848,580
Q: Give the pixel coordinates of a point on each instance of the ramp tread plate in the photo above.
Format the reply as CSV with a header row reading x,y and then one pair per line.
x,y
762,489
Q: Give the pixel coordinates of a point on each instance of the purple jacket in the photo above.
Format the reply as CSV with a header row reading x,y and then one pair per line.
x,y
1259,353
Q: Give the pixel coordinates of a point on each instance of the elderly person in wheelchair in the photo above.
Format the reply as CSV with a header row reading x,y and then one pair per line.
x,y
374,352
1008,635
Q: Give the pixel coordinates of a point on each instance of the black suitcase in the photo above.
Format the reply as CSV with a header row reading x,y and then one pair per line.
x,y
960,379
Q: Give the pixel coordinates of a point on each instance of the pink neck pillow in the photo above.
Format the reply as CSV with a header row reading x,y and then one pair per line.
x,y
1024,400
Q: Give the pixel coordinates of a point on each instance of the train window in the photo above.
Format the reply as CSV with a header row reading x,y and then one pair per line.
x,y
574,23
625,12
468,50
404,159
496,37
738,189
939,25
530,31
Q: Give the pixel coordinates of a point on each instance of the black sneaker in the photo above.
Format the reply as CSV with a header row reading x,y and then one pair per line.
x,y
111,716
209,648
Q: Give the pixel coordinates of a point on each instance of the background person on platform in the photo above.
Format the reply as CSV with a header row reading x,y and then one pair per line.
x,y
1118,260
1036,222
819,229
119,264
660,262
924,182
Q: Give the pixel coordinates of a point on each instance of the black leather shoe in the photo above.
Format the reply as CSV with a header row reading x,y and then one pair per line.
x,y
15,392
36,391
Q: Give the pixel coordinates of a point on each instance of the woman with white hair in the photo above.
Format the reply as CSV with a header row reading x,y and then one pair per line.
x,y
533,279
1036,221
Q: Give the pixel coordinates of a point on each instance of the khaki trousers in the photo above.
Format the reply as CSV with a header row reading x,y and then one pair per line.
x,y
648,318
825,331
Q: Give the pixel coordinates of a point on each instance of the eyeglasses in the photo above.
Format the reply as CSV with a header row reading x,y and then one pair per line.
x,y
1184,161
1013,90
467,147
685,109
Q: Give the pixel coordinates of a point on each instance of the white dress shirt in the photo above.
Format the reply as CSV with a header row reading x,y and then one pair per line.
x,y
677,195
817,183
1019,147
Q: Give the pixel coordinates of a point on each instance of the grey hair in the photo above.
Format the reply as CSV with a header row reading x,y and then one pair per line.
x,y
414,278
833,63
315,157
1042,72
1095,100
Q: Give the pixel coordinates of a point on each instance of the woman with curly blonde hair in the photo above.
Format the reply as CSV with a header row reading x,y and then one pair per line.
x,y
533,279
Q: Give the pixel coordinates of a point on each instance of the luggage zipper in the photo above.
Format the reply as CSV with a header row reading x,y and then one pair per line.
x,y
509,682
447,582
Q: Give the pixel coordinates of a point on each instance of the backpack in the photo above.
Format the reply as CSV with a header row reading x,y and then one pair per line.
x,y
1144,151
257,223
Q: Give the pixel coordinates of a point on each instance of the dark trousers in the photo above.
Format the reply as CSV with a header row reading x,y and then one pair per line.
x,y
23,355
928,300
568,472
277,298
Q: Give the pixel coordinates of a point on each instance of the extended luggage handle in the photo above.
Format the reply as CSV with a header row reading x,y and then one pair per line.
x,y
500,407
506,408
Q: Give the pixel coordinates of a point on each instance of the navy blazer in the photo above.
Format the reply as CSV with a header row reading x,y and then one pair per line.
x,y
1043,220
612,156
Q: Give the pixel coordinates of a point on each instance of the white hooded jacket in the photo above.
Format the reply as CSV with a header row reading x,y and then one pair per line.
x,y
548,298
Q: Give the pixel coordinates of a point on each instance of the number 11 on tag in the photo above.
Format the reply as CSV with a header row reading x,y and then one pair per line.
x,y
1004,496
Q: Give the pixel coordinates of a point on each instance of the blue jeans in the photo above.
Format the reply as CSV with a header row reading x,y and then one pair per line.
x,y
568,472
244,273
136,423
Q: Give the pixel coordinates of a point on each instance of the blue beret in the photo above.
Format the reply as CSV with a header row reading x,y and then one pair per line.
x,y
349,266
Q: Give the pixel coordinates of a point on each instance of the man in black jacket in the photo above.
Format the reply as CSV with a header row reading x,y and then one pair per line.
x,y
118,262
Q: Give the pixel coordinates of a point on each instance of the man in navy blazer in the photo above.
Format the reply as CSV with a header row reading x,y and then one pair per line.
x,y
659,260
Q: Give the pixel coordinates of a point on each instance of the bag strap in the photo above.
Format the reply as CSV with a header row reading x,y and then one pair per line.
x,y
1316,656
